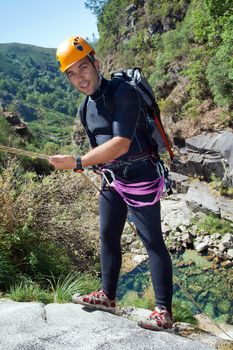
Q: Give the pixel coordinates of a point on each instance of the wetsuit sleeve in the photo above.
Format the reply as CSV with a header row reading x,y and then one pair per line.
x,y
126,111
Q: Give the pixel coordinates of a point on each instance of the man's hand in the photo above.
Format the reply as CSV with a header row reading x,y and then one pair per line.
x,y
61,162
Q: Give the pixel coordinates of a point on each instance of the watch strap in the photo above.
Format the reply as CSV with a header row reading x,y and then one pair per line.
x,y
78,168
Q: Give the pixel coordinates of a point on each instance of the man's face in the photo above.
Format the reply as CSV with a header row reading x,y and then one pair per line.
x,y
83,76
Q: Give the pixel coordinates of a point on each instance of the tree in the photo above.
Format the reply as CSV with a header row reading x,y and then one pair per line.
x,y
96,6
218,7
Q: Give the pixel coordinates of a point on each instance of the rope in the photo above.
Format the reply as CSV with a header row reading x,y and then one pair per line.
x,y
22,152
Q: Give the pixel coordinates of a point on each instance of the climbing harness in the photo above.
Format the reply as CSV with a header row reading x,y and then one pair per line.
x,y
158,187
155,187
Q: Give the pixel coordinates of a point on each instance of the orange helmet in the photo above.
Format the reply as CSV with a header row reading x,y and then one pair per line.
x,y
72,50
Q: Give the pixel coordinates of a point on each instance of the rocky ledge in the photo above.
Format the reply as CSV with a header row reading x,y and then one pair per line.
x,y
67,326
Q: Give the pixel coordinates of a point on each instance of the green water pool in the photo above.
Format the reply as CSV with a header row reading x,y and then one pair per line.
x,y
208,285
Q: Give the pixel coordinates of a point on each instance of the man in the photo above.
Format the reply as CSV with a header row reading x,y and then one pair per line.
x,y
114,120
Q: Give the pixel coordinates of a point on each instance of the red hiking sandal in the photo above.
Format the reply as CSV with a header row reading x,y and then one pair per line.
x,y
159,320
96,300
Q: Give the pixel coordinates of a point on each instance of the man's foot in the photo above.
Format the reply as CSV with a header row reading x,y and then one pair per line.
x,y
159,320
96,300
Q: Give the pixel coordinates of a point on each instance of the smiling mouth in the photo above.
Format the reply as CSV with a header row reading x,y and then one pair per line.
x,y
83,86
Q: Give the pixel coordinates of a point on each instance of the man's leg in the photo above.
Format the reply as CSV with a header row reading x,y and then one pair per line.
x,y
148,222
113,213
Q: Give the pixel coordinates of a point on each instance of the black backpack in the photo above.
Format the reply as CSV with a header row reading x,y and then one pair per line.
x,y
134,77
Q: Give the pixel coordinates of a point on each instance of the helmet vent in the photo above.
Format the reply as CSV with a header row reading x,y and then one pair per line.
x,y
77,44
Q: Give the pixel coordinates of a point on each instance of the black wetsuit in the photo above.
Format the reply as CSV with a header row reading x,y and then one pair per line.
x,y
121,112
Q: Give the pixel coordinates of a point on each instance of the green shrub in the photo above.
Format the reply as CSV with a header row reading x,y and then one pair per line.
x,y
53,289
165,9
64,287
138,41
224,306
27,290
182,312
209,309
31,255
202,22
190,108
211,224
175,42
198,85
44,228
8,270
220,69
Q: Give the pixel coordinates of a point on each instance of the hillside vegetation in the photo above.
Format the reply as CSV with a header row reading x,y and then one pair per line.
x,y
39,209
32,86
31,74
185,48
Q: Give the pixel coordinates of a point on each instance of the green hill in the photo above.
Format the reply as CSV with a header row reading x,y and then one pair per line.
x,y
30,73
32,86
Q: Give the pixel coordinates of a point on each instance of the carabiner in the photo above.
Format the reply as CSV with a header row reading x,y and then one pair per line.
x,y
111,173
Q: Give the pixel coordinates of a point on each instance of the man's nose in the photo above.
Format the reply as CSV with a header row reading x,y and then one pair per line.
x,y
79,77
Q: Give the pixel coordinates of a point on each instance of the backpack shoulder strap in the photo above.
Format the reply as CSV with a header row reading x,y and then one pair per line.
x,y
82,111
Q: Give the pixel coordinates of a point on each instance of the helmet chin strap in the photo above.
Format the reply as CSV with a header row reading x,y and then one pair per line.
x,y
97,71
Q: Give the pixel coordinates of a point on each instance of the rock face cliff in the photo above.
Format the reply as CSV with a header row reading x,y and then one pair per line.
x,y
160,24
207,154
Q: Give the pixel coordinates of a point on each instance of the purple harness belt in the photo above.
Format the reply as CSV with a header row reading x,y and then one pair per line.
x,y
138,188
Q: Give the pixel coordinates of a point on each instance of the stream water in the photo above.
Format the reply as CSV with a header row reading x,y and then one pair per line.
x,y
211,288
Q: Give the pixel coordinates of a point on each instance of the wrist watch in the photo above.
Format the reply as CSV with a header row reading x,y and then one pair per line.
x,y
78,168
